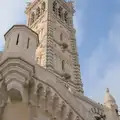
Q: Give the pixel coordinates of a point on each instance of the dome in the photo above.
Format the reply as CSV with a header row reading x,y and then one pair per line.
x,y
109,98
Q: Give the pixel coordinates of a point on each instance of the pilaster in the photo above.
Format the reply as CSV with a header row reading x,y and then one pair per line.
x,y
49,51
76,67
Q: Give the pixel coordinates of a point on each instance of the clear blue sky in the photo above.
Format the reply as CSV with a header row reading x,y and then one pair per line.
x,y
98,40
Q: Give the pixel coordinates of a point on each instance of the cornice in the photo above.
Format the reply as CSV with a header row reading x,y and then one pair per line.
x,y
16,61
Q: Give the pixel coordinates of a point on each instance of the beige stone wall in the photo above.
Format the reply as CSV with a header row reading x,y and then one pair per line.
x,y
16,111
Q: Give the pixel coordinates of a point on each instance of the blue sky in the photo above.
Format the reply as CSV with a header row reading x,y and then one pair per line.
x,y
98,40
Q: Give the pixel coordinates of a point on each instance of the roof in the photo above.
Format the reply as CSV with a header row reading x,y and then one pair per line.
x,y
108,97
24,26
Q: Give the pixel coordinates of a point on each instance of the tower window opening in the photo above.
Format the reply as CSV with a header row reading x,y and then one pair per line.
x,y
38,12
28,43
55,7
60,12
43,6
32,18
66,17
63,65
17,39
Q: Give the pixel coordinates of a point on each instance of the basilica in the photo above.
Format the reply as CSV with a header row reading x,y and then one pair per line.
x,y
40,72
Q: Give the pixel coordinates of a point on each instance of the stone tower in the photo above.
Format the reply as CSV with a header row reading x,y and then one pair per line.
x,y
57,52
40,73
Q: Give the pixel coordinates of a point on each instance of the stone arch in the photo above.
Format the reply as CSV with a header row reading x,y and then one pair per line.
x,y
55,102
40,92
14,95
15,91
77,118
63,110
52,105
70,115
48,98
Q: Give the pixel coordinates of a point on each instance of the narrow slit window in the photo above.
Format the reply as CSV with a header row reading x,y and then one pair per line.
x,y
8,43
63,65
28,43
61,36
17,40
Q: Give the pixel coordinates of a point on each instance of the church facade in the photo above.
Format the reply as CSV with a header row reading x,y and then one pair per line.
x,y
39,69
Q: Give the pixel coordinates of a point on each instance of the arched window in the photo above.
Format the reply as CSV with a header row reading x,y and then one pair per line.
x,y
60,12
38,12
66,17
43,7
61,36
32,17
63,65
55,7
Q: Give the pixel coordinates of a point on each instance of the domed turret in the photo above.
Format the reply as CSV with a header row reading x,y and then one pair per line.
x,y
109,100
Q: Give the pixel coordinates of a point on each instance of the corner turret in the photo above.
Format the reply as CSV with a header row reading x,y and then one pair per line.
x,y
109,100
20,41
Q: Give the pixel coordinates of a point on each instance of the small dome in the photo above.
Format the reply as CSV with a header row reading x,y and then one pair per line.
x,y
109,98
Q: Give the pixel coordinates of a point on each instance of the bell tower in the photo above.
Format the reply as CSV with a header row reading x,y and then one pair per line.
x,y
57,52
